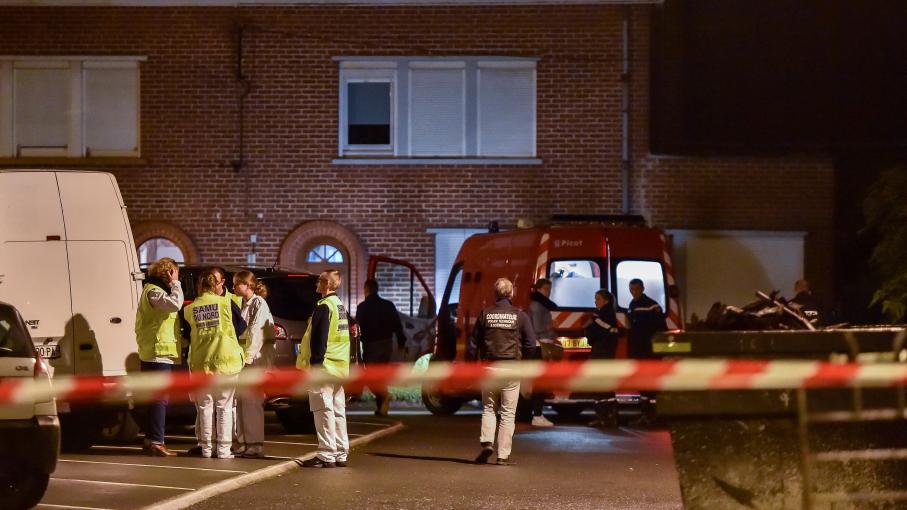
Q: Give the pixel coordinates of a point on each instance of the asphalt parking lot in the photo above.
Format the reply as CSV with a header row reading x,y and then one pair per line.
x,y
121,477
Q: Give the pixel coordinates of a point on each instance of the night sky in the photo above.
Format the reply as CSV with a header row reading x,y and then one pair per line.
x,y
742,77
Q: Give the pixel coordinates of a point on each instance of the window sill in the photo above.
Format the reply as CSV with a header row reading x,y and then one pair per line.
x,y
52,161
437,161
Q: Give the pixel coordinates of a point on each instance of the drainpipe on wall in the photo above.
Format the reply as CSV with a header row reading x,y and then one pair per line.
x,y
245,85
627,166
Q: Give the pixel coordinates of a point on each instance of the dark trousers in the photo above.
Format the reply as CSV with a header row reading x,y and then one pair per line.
x,y
537,400
604,348
378,353
157,409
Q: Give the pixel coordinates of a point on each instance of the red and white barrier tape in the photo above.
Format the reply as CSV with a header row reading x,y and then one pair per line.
x,y
580,376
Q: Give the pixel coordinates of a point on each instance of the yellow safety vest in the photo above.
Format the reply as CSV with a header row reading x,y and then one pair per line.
x,y
156,331
337,355
214,348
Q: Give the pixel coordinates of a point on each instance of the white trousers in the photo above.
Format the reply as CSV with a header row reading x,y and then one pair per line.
x,y
499,399
214,421
328,405
250,411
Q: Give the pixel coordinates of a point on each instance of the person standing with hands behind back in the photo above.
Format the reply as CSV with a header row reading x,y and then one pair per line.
x,y
502,332
157,335
326,346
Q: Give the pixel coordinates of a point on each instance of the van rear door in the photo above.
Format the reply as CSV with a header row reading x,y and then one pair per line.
x,y
400,282
104,292
34,271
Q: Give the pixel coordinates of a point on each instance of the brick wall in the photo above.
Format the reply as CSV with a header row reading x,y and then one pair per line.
x,y
190,128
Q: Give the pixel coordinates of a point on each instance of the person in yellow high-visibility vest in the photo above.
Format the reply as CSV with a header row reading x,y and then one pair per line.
x,y
215,324
326,346
157,336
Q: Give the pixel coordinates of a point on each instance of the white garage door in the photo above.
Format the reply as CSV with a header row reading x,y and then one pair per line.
x,y
447,245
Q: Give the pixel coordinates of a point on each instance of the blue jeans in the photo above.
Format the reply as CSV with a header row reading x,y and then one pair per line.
x,y
157,409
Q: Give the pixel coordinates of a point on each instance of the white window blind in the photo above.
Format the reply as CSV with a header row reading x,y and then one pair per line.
x,y
111,109
438,111
42,99
69,106
506,111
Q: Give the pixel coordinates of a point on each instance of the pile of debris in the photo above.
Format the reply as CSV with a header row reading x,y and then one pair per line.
x,y
769,312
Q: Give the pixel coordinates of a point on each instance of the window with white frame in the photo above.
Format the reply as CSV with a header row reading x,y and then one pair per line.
x,y
72,107
442,107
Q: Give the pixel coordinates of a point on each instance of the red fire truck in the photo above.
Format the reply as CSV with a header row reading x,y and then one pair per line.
x,y
580,255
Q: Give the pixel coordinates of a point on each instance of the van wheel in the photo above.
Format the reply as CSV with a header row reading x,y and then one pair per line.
x,y
296,419
123,429
23,490
568,411
440,405
78,433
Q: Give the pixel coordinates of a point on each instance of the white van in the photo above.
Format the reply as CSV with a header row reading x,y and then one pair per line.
x,y
68,263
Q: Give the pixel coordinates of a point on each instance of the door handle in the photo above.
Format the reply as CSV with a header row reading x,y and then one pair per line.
x,y
115,320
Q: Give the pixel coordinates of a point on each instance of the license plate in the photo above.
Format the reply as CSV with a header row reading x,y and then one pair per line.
x,y
49,351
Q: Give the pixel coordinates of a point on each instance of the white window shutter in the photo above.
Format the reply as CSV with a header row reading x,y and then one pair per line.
x,y
437,112
42,106
111,110
506,112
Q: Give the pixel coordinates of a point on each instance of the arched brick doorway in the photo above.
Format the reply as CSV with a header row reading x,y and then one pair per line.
x,y
298,247
150,236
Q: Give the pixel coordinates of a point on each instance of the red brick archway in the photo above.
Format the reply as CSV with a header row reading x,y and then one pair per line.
x,y
151,229
303,236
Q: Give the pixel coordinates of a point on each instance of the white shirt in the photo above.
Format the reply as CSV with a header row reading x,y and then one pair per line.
x,y
257,315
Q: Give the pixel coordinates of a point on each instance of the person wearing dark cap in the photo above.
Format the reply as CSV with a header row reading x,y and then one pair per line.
x,y
378,322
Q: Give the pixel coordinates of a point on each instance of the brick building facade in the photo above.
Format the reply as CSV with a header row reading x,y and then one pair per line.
x,y
293,194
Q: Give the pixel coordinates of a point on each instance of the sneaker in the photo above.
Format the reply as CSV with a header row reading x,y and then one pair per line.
x,y
252,454
316,462
485,454
195,451
341,463
225,456
158,450
541,421
505,462
239,450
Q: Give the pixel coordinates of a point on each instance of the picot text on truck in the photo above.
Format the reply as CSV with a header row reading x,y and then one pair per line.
x,y
70,266
579,254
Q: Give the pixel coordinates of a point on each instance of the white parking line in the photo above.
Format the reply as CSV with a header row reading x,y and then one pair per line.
x,y
124,484
373,423
133,448
48,505
154,466
292,443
